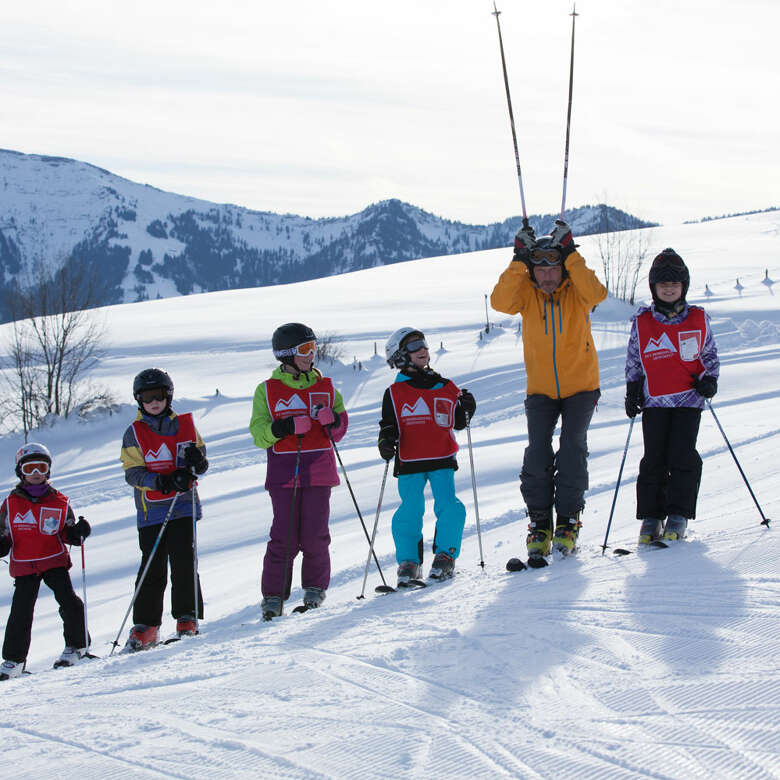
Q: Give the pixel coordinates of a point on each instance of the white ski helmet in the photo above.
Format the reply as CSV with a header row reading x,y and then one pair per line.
x,y
397,356
31,451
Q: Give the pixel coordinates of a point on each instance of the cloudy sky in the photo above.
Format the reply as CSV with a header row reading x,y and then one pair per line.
x,y
320,107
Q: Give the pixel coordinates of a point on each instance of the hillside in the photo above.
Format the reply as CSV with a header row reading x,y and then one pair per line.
x,y
144,243
661,665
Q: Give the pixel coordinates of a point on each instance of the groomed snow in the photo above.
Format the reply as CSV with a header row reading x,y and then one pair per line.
x,y
663,665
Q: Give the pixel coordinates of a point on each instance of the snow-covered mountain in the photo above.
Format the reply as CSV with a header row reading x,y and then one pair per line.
x,y
147,244
657,665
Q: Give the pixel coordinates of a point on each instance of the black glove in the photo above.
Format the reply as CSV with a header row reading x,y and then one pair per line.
x,y
388,440
5,546
706,387
179,481
634,398
195,459
525,242
78,532
467,403
284,426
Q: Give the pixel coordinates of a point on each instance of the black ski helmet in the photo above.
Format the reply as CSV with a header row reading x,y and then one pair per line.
x,y
287,337
149,379
668,266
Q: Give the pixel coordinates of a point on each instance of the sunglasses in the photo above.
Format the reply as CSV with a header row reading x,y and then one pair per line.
x,y
155,394
416,345
546,257
30,467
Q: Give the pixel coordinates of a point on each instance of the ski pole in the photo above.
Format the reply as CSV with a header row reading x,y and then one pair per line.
x,y
385,588
373,533
290,526
764,520
474,488
617,486
87,654
195,551
115,643
496,13
573,15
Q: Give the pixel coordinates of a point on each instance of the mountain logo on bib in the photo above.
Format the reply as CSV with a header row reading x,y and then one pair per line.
x,y
292,406
28,518
420,409
159,455
661,344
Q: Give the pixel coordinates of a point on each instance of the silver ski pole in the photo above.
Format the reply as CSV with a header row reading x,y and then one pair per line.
x,y
115,643
573,15
474,488
84,591
373,532
617,486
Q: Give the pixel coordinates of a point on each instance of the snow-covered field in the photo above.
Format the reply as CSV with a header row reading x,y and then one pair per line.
x,y
665,664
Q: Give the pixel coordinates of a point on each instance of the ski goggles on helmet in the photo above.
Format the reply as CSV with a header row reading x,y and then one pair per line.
x,y
546,257
30,467
303,350
153,394
415,345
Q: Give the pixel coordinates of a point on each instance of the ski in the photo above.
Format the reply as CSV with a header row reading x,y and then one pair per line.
x,y
413,584
175,637
658,544
59,664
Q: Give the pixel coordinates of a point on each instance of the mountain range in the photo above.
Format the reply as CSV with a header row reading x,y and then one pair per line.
x,y
144,243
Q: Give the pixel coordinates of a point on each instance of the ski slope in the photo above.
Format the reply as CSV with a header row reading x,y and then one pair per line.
x,y
664,664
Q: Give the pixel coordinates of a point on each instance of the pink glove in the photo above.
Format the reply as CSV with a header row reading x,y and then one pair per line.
x,y
325,416
302,424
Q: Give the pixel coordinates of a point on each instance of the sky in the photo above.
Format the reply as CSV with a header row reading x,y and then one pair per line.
x,y
319,107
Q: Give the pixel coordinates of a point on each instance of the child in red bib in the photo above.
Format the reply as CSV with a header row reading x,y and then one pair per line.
x,y
296,415
420,410
162,453
36,522
671,368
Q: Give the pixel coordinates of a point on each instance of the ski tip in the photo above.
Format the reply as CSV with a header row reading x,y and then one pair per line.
x,y
621,551
301,608
658,543
382,589
538,562
515,564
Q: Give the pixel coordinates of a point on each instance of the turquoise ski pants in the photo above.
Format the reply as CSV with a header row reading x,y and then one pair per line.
x,y
408,518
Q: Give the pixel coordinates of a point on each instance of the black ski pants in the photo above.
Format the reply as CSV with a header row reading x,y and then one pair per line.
x,y
175,546
559,478
670,471
19,627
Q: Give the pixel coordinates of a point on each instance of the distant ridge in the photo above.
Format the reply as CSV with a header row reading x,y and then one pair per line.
x,y
147,243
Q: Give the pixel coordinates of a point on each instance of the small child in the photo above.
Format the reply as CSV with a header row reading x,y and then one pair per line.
x,y
671,368
36,522
419,411
160,452
296,415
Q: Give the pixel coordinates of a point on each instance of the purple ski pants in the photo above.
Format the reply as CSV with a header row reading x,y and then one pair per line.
x,y
310,535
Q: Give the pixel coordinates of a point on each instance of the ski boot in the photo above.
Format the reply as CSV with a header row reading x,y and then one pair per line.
x,y
652,530
567,530
187,625
141,637
409,573
443,567
11,669
71,656
539,535
676,526
313,597
271,607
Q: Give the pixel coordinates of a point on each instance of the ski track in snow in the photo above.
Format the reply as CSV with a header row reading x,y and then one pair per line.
x,y
660,664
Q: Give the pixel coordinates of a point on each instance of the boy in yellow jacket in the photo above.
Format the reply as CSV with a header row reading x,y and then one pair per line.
x,y
549,284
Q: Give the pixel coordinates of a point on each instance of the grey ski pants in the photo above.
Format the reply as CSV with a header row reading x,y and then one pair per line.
x,y
557,478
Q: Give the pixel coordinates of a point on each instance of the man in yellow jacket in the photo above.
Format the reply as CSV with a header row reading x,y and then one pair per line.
x,y
549,284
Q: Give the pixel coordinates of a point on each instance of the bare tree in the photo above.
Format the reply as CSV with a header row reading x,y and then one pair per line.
x,y
328,348
623,252
55,341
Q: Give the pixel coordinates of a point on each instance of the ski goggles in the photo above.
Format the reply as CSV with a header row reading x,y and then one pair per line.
x,y
416,345
154,394
30,467
303,350
546,257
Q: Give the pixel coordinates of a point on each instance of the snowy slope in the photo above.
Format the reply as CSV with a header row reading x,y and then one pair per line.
x,y
665,664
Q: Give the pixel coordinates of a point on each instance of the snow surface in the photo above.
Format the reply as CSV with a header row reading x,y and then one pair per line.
x,y
664,664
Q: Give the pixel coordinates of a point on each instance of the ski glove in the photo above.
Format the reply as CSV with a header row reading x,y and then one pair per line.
x,y
467,403
195,459
388,439
179,481
78,532
562,240
634,398
294,425
525,242
706,386
327,418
